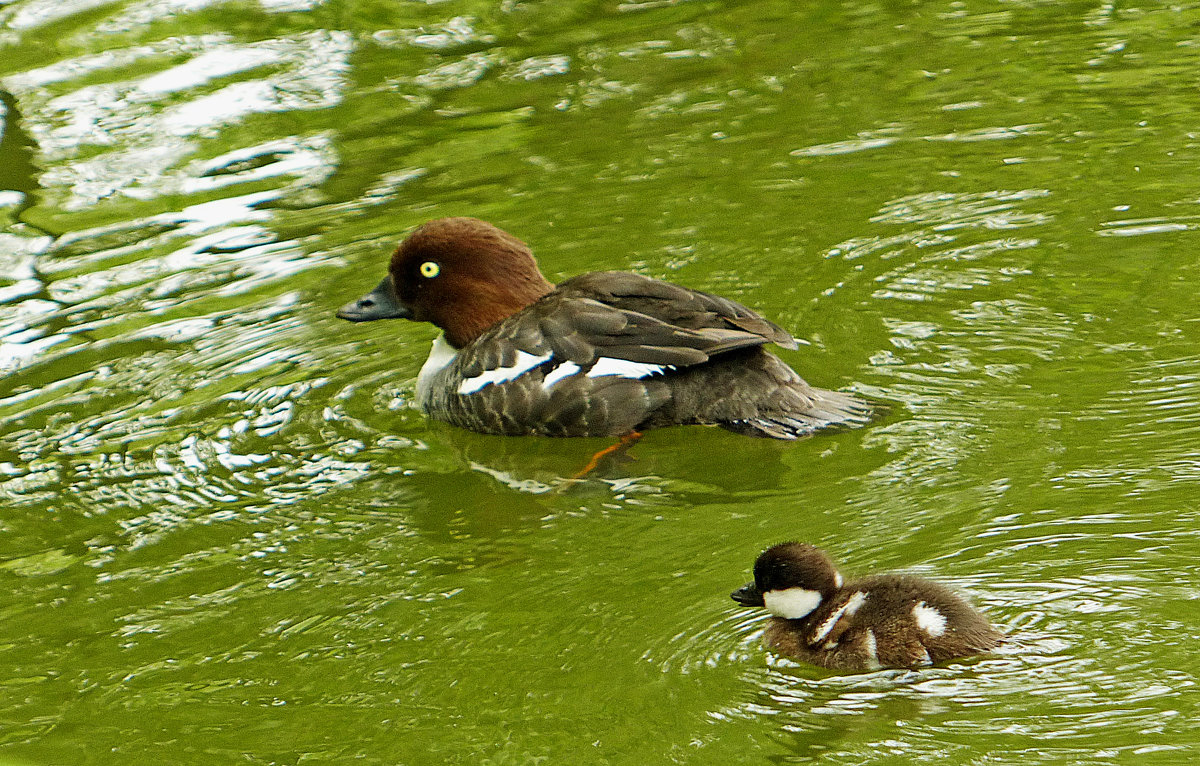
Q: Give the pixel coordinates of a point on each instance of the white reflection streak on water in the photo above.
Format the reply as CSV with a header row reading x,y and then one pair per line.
x,y
61,71
139,14
41,12
251,247
208,66
215,239
308,72
38,13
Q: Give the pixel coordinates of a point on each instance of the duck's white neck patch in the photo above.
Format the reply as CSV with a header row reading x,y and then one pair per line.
x,y
525,362
791,603
929,619
440,357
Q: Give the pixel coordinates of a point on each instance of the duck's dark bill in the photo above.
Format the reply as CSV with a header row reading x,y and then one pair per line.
x,y
380,303
748,595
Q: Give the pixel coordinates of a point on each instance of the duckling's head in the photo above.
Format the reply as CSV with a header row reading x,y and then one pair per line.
x,y
791,580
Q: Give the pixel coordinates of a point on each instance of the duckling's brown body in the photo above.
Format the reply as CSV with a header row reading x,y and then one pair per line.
x,y
880,621
884,631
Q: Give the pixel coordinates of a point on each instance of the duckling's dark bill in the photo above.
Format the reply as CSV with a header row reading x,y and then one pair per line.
x,y
748,595
380,303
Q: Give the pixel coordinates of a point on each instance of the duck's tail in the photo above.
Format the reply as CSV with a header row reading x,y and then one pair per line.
x,y
821,409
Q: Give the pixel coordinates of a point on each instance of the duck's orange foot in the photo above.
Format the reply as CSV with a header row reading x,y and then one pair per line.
x,y
624,443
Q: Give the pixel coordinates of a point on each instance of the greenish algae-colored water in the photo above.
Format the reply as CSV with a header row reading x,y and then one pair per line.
x,y
228,538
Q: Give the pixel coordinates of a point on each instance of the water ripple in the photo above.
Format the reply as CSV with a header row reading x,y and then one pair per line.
x,y
148,128
217,495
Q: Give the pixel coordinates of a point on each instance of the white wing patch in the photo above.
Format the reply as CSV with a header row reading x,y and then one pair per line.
x,y
848,608
872,650
929,619
564,370
791,603
608,367
525,362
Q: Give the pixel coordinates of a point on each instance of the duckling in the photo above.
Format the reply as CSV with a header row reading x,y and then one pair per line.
x,y
890,620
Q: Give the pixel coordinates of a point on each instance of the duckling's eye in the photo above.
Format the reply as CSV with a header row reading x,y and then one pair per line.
x,y
430,269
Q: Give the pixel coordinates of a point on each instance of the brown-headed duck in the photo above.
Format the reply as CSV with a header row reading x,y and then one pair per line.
x,y
602,354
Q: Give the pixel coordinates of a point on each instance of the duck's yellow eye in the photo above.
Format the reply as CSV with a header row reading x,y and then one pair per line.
x,y
429,269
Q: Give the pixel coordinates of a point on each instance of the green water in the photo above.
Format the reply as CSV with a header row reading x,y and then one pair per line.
x,y
228,538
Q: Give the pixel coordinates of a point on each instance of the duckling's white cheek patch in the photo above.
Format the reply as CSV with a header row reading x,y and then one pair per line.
x,y
525,362
929,619
621,368
792,603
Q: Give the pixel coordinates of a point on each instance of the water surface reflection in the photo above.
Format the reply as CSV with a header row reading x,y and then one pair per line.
x,y
220,505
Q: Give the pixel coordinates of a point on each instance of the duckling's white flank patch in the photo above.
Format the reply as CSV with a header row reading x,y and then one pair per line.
x,y
440,356
564,370
837,578
929,619
791,603
525,362
622,368
847,609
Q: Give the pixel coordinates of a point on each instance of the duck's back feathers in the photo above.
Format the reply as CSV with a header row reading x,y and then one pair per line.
x,y
638,319
607,353
673,305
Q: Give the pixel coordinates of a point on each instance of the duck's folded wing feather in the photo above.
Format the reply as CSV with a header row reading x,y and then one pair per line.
x,y
633,318
675,305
